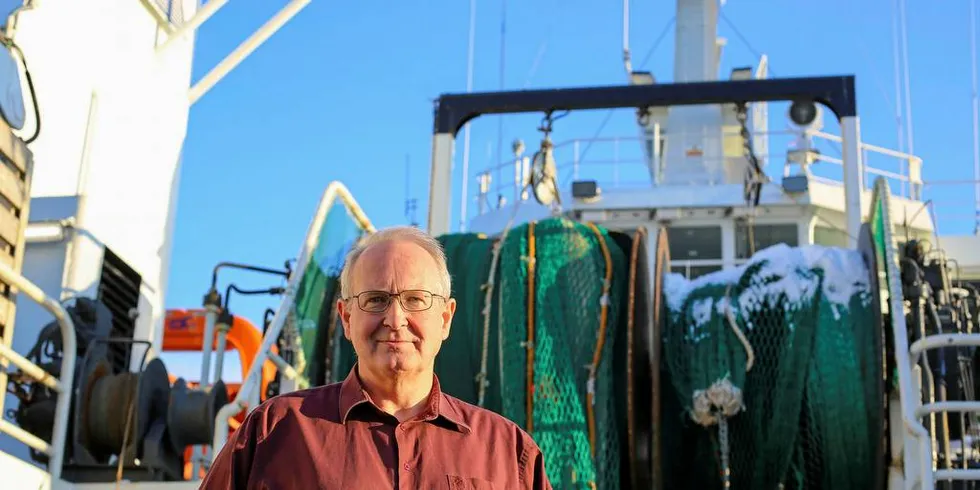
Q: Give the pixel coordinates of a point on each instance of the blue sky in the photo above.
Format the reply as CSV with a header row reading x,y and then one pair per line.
x,y
345,90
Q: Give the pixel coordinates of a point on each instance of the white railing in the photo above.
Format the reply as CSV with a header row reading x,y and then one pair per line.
x,y
916,441
620,162
335,190
62,385
919,469
908,176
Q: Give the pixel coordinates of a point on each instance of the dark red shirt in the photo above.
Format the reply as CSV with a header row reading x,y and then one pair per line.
x,y
334,437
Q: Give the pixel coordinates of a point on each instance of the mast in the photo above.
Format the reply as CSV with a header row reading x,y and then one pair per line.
x,y
897,65
627,62
908,89
693,151
466,129
500,118
976,117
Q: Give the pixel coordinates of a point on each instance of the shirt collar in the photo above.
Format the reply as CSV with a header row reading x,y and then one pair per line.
x,y
439,405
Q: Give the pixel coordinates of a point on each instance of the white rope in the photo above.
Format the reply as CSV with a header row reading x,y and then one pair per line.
x,y
482,378
723,399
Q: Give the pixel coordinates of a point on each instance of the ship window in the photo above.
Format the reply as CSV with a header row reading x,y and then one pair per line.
x,y
829,237
763,236
694,242
692,271
691,247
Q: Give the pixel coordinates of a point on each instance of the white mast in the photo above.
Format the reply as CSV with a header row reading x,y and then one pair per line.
x,y
908,89
627,62
466,129
693,152
897,64
976,116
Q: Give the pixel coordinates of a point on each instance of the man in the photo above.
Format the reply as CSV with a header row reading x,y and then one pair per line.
x,y
388,425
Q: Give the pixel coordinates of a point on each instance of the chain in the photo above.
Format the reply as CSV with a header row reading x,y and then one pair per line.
x,y
755,176
725,450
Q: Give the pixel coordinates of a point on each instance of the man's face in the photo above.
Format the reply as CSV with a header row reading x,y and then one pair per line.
x,y
397,340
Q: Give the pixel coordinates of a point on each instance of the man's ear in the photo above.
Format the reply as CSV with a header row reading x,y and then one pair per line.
x,y
344,316
447,317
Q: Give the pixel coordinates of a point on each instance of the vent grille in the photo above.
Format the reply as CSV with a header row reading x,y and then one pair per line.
x,y
119,290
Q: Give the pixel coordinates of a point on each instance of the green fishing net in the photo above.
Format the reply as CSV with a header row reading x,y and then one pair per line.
x,y
806,413
569,269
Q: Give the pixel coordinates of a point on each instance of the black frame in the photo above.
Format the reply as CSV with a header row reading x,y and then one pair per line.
x,y
837,93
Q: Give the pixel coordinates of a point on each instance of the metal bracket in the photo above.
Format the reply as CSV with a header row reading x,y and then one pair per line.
x,y
452,111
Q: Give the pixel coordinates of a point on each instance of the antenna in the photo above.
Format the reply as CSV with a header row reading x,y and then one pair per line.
x,y
897,62
976,116
910,148
500,117
627,62
411,204
466,137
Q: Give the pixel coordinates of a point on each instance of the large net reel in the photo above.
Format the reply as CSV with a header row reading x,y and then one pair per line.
x,y
776,367
561,326
553,330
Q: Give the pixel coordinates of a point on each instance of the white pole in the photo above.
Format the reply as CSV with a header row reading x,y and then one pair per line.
x,y
897,63
627,62
464,198
499,160
440,177
853,177
908,88
976,116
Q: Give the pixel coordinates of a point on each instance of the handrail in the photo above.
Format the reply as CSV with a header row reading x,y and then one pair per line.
x,y
63,385
334,191
908,396
509,176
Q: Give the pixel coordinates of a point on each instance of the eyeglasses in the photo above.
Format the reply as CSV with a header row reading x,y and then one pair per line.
x,y
413,300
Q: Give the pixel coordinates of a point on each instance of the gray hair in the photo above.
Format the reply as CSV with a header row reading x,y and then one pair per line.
x,y
396,234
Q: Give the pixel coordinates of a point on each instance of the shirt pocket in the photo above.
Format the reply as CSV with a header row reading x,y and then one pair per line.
x,y
456,482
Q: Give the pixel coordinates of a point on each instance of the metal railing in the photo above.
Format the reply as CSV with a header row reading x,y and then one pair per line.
x,y
62,385
621,162
917,441
335,190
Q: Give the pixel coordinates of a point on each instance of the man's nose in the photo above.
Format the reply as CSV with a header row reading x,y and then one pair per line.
x,y
395,315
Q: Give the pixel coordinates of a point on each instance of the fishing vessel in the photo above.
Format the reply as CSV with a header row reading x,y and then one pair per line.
x,y
719,326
